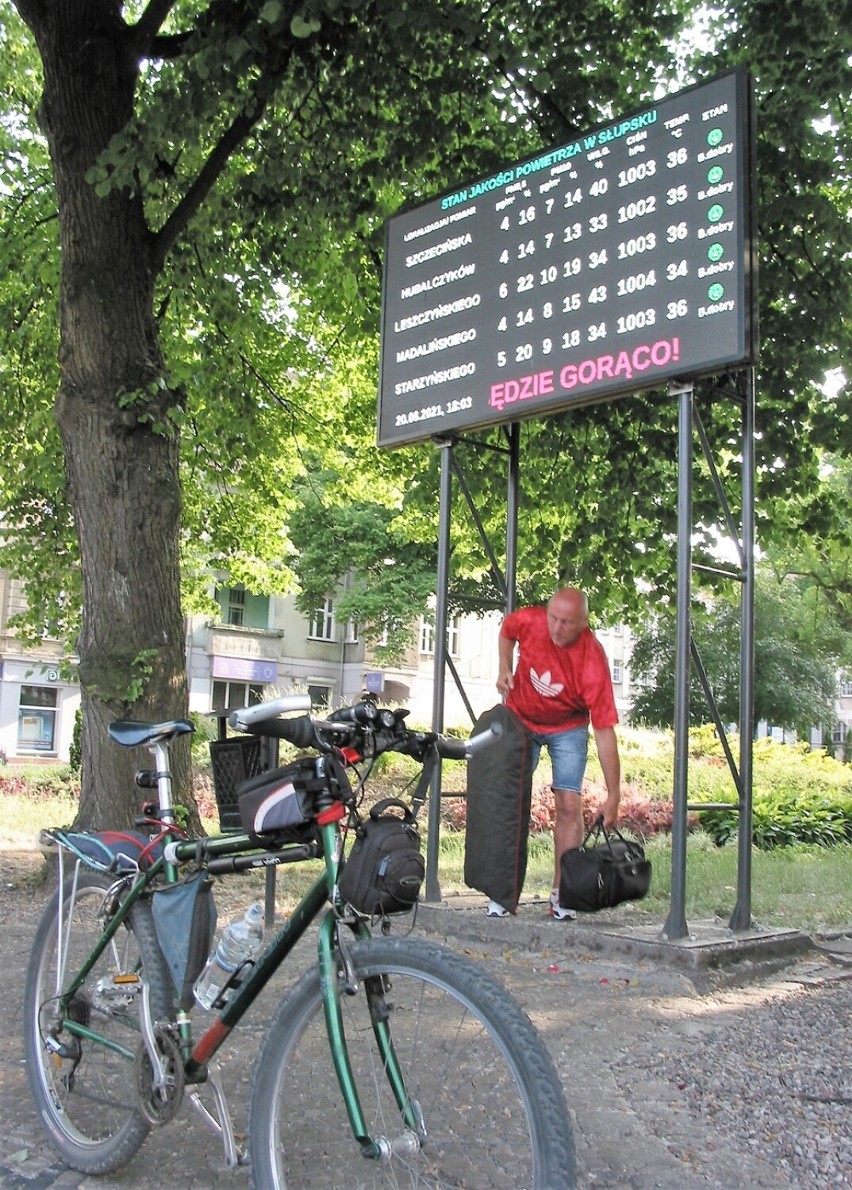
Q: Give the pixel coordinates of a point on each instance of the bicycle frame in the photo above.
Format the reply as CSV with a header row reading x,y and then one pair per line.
x,y
331,955
450,1040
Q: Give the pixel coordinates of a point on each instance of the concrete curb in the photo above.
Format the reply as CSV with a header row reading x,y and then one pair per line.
x,y
710,946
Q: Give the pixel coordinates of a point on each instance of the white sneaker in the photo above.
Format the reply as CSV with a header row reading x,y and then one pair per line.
x,y
557,911
495,909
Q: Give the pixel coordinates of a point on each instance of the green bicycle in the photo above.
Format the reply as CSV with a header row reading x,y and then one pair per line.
x,y
391,1061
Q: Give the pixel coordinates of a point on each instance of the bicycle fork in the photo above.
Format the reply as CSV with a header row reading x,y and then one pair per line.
x,y
332,954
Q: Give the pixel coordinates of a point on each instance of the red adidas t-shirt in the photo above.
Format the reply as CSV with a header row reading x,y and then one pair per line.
x,y
557,687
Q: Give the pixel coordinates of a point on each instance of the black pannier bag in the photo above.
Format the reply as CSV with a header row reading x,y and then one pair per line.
x,y
499,792
285,799
385,868
605,874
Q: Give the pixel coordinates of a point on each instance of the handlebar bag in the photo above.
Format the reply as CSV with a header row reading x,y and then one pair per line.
x,y
385,868
605,874
290,796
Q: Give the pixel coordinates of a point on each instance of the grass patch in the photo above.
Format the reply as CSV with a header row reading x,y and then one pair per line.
x,y
24,816
805,888
801,887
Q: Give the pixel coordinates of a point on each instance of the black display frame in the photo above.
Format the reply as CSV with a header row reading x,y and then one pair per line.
x,y
578,274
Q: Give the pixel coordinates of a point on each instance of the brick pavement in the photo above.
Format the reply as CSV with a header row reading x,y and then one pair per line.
x,y
589,997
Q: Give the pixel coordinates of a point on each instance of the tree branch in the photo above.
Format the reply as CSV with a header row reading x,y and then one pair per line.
x,y
151,21
211,171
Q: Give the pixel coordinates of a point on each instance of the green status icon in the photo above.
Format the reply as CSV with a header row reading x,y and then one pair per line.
x,y
716,212
716,292
714,137
715,175
715,252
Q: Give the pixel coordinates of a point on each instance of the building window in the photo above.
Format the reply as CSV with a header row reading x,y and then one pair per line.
x,y
321,626
453,635
240,609
617,670
236,611
427,636
846,686
320,696
37,719
838,732
230,696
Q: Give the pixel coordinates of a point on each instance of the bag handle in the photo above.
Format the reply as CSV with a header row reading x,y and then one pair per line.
x,y
597,828
386,803
419,796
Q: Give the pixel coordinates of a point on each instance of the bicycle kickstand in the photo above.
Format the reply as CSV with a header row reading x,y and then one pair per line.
x,y
223,1126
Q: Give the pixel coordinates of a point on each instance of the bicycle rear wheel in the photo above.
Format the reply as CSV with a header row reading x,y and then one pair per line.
x,y
493,1111
85,1089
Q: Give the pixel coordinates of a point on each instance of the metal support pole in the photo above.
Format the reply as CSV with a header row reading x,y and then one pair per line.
x,y
675,926
512,502
741,918
433,887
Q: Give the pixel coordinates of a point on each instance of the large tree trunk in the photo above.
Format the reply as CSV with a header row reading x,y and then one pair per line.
x,y
121,445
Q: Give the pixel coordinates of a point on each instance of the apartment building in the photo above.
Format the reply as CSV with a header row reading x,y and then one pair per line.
x,y
38,694
255,646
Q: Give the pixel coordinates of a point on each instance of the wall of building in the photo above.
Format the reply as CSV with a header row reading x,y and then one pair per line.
x,y
39,700
276,653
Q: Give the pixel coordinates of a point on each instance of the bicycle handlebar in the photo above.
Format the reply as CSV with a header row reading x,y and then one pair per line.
x,y
298,732
364,727
464,749
245,717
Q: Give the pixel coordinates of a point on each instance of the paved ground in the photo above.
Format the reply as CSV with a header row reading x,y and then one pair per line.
x,y
594,989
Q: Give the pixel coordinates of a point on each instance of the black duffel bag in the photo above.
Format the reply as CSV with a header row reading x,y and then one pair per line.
x,y
606,870
385,868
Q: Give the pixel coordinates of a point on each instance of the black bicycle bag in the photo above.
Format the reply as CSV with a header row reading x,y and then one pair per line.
x,y
385,868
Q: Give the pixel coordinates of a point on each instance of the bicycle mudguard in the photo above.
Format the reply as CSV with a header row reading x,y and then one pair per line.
x,y
109,851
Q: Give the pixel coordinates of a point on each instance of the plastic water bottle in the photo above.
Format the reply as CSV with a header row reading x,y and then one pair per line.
x,y
240,940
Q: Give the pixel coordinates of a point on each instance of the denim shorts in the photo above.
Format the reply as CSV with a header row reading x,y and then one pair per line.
x,y
568,751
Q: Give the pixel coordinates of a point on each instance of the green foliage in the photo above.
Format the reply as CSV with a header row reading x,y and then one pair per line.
x,y
795,669
343,538
40,784
785,821
800,796
75,752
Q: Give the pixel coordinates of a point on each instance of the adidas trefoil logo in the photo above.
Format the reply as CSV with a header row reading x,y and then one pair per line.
x,y
546,687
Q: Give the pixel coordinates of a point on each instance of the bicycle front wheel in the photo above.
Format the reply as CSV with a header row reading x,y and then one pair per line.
x,y
488,1102
83,1080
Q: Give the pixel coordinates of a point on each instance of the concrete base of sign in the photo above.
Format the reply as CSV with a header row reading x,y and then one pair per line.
x,y
709,946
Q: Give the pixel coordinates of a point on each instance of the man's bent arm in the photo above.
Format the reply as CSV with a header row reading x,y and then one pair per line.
x,y
607,744
505,659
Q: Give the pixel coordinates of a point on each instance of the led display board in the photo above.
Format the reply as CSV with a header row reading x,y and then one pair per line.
x,y
614,263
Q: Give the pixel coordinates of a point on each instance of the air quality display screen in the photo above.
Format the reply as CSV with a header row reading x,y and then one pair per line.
x,y
608,265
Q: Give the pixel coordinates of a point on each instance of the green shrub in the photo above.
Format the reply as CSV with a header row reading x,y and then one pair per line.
x,y
787,821
800,795
75,752
41,784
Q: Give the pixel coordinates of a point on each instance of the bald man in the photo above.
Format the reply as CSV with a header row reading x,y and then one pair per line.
x,y
560,684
